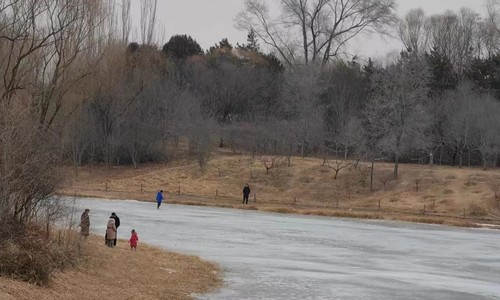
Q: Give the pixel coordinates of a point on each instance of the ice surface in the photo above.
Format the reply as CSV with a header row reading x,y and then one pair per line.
x,y
274,256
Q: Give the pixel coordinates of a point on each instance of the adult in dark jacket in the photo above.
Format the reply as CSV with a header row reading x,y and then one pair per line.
x,y
246,193
117,224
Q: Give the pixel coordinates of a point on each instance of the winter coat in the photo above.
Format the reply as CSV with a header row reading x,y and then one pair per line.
x,y
85,224
111,229
246,191
159,197
117,221
133,240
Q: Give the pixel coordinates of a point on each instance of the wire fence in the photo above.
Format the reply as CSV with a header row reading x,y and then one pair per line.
x,y
177,195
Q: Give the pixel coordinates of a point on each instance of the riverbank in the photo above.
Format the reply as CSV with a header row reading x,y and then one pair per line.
x,y
424,194
148,273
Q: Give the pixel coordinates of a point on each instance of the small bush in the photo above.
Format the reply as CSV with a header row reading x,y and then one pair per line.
x,y
476,210
30,255
448,192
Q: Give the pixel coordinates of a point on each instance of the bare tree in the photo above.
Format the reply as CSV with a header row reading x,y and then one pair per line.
x,y
300,94
126,20
338,165
395,114
271,161
27,164
456,36
148,21
459,129
486,123
413,31
314,30
343,93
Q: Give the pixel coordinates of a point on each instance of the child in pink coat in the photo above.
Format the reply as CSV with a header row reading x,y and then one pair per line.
x,y
134,238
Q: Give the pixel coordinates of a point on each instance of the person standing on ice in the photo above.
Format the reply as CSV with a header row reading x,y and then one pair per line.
x,y
159,198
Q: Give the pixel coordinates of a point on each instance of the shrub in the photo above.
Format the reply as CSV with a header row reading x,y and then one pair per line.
x,y
29,254
476,210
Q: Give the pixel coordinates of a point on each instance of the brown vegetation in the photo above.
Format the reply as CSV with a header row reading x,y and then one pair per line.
x,y
148,273
305,187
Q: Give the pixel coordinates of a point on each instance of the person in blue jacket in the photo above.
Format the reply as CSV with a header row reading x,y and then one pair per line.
x,y
159,198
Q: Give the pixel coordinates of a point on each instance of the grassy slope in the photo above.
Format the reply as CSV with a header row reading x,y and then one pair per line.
x,y
119,273
305,187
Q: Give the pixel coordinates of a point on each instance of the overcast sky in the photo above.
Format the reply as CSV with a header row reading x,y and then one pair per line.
x,y
208,21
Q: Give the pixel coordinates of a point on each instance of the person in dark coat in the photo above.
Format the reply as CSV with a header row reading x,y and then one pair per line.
x,y
117,224
246,193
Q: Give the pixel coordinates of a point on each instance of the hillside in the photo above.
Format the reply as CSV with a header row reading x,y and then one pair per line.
x,y
445,194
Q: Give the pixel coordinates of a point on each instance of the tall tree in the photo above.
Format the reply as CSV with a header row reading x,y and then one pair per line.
x,y
395,115
322,27
148,22
413,31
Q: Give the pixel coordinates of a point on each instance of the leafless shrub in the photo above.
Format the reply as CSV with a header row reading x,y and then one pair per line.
x,y
28,163
494,185
272,161
363,173
476,210
337,165
200,147
417,183
29,255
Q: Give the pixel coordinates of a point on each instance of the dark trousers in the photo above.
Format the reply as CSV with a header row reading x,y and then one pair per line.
x,y
159,203
245,199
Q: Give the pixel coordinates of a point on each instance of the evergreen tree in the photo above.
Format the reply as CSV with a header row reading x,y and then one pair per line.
x,y
443,76
180,47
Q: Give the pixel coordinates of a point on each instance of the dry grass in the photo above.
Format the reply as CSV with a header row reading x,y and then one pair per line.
x,y
306,186
119,273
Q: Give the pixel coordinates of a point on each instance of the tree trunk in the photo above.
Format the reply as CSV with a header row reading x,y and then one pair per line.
x,y
396,166
440,155
460,162
371,175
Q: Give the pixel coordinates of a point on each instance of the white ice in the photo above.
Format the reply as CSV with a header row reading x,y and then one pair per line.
x,y
274,256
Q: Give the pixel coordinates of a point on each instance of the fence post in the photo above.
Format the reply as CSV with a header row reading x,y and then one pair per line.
x,y
294,200
141,188
179,191
106,186
255,197
379,205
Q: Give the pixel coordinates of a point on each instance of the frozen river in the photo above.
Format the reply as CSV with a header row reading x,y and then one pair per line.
x,y
273,256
